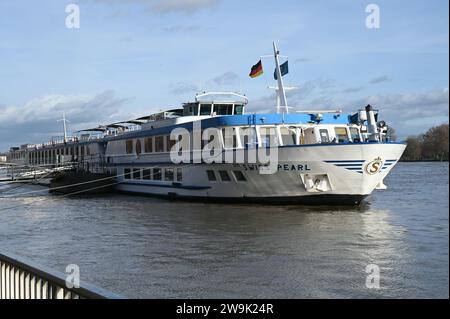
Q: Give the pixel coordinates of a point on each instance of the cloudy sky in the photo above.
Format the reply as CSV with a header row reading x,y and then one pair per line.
x,y
133,57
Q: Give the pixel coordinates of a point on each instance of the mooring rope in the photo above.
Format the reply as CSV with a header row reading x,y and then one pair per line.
x,y
69,194
59,196
60,187
22,184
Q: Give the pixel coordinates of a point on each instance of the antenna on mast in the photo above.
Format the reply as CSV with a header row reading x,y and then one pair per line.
x,y
281,99
64,126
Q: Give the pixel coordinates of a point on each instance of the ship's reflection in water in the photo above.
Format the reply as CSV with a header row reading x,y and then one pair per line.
x,y
145,247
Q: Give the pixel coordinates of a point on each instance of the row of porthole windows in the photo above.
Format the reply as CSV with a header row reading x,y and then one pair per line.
x,y
225,176
155,174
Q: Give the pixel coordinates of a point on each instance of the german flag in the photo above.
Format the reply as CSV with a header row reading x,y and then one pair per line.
x,y
256,70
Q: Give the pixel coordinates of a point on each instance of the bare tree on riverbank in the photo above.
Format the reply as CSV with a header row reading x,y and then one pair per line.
x,y
432,145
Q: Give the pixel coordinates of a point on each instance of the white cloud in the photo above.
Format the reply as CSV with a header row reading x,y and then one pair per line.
x,y
79,107
411,113
35,121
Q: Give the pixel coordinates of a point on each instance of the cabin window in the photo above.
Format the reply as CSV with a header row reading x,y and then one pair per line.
x,y
129,146
238,109
211,175
224,176
146,173
138,147
88,150
127,173
324,137
354,132
223,109
229,137
205,109
157,174
190,109
288,135
179,174
239,176
194,109
168,174
148,145
136,173
159,144
341,134
82,150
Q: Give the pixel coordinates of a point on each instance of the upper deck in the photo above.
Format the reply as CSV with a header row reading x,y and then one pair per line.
x,y
208,110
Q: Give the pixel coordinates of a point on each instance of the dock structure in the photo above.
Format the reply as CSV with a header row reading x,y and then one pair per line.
x,y
11,172
21,278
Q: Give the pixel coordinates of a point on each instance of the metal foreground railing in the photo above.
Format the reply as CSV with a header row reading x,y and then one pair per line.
x,y
23,279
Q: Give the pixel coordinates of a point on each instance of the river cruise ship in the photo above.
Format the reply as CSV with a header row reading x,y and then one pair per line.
x,y
211,149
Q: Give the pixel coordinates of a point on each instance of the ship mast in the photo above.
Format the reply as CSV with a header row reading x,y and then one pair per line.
x,y
64,126
281,94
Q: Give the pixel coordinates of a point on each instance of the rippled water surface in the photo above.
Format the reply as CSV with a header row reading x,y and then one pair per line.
x,y
151,248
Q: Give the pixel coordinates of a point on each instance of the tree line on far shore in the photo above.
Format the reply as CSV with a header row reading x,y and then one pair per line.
x,y
430,146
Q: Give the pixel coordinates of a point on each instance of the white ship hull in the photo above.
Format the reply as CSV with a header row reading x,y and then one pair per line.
x,y
333,173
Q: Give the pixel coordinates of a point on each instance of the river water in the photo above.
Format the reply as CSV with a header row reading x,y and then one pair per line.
x,y
144,247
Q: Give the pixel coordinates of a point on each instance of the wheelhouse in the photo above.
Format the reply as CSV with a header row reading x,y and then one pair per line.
x,y
206,105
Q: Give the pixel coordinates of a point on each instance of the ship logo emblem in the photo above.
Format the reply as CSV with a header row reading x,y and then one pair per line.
x,y
374,167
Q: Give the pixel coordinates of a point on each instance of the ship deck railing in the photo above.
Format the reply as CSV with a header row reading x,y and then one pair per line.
x,y
21,278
